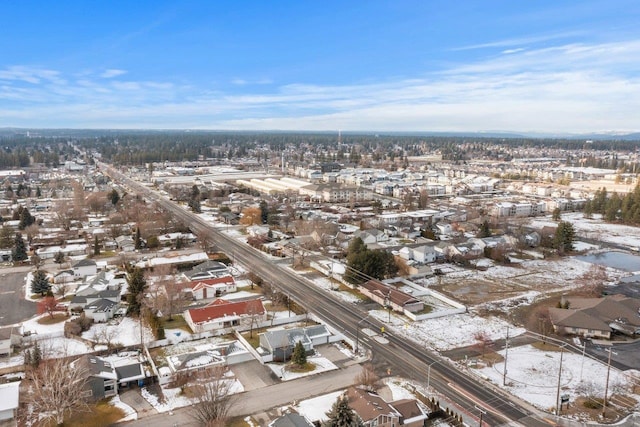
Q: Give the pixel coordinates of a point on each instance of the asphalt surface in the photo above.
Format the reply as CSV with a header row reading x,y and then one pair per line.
x,y
403,357
13,307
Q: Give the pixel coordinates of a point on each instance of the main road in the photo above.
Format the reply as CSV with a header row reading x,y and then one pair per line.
x,y
403,356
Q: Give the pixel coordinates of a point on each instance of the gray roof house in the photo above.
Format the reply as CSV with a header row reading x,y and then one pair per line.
x,y
291,420
208,269
280,343
102,381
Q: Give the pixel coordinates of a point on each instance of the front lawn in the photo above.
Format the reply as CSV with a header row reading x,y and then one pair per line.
x,y
57,318
176,322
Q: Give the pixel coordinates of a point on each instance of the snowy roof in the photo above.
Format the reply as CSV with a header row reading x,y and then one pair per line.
x,y
9,394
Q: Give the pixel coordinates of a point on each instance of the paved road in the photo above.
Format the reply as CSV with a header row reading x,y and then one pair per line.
x,y
405,357
263,399
13,307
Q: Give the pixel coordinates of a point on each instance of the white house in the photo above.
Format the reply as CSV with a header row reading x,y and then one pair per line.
x,y
85,267
424,254
211,288
9,399
223,315
9,337
101,310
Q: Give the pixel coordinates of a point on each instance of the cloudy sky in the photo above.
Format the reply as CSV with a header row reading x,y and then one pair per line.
x,y
548,66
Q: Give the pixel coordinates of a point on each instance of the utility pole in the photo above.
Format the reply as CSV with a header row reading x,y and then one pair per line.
x,y
506,354
606,386
559,378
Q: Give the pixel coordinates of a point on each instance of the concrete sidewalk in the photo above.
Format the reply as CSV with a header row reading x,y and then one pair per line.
x,y
262,399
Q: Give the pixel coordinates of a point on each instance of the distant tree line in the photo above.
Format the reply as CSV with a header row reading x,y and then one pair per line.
x,y
615,208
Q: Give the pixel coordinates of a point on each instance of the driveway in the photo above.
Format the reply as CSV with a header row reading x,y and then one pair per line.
x,y
13,307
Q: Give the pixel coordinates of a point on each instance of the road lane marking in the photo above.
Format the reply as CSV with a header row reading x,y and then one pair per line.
x,y
7,292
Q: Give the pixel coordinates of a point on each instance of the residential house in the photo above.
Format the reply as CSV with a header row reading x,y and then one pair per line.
x,y
221,315
280,343
374,411
421,254
207,270
9,338
130,371
64,276
101,310
9,401
291,420
103,380
126,243
211,288
371,236
98,305
389,296
597,317
84,267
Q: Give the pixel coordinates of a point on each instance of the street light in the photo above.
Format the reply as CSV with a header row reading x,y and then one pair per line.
x,y
358,333
606,386
429,372
482,413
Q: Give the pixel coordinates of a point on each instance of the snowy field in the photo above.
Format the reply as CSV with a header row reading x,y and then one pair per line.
x,y
532,375
446,333
595,229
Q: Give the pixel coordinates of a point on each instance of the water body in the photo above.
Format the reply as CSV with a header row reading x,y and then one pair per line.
x,y
619,260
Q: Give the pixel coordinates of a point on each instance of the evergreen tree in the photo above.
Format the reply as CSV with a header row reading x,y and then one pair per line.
x,y
26,219
40,283
299,356
96,246
19,252
564,237
485,230
36,356
27,357
137,240
38,192
137,287
341,415
114,197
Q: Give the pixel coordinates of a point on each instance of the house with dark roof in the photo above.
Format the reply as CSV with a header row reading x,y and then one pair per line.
x,y
291,420
207,270
281,342
103,380
101,310
387,295
223,315
597,317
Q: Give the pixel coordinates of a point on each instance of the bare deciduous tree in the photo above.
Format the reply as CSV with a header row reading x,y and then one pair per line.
x,y
58,387
213,399
254,311
367,378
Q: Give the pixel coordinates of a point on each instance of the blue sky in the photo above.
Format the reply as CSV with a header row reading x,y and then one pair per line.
x,y
525,66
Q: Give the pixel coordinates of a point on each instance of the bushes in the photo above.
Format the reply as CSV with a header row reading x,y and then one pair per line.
x,y
75,327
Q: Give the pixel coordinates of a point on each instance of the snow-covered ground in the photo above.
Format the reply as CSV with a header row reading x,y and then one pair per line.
x,y
315,409
126,332
321,365
446,333
532,375
595,228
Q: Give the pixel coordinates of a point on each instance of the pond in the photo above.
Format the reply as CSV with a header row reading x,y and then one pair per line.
x,y
618,260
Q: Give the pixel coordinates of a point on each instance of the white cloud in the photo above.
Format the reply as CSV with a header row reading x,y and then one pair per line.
x,y
111,73
563,88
